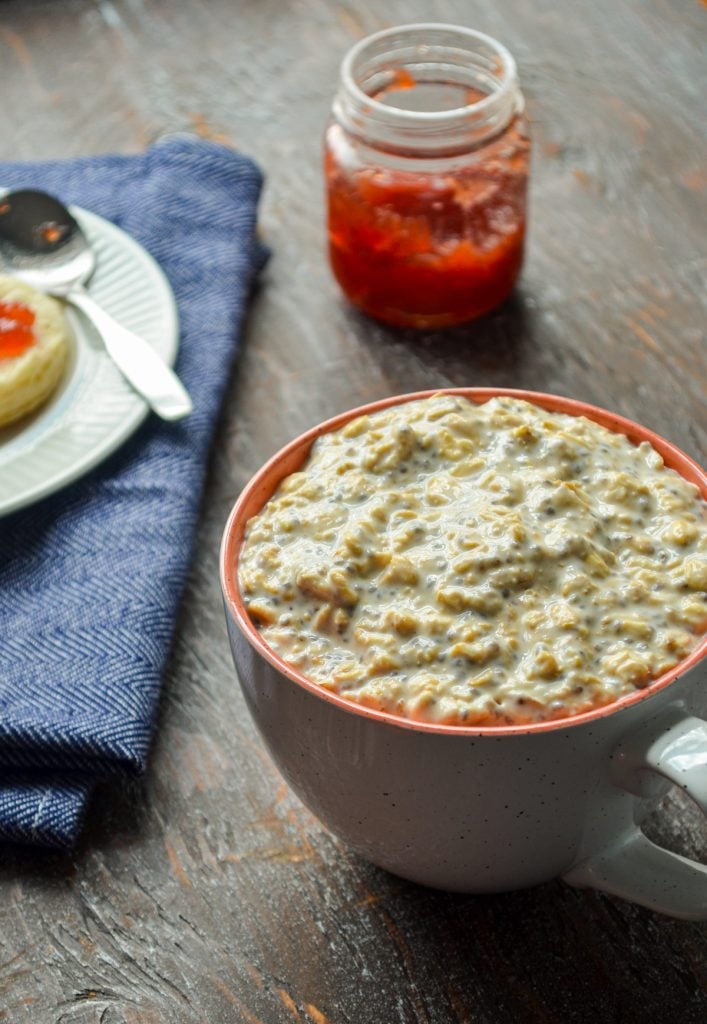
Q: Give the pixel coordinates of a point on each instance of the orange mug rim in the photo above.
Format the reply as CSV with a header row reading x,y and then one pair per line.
x,y
265,481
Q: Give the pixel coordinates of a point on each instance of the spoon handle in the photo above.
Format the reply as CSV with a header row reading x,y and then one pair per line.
x,y
137,360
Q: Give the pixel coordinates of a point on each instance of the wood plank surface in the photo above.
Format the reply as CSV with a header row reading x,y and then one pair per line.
x,y
208,893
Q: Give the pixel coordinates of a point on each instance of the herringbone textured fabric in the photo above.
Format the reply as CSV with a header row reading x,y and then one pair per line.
x,y
90,578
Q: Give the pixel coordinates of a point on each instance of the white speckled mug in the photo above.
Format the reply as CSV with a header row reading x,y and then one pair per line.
x,y
483,810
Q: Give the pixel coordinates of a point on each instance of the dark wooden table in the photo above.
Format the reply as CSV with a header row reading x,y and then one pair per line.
x,y
208,893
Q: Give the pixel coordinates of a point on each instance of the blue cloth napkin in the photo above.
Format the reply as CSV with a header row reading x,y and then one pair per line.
x,y
90,579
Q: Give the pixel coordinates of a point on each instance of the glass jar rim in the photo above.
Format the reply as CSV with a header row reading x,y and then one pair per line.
x,y
508,83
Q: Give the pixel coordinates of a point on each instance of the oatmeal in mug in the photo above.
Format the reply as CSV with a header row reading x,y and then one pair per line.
x,y
484,565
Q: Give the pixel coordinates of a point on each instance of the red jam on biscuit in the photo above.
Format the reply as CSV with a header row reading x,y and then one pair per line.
x,y
16,329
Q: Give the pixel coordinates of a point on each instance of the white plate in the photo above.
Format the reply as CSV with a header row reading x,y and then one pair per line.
x,y
94,410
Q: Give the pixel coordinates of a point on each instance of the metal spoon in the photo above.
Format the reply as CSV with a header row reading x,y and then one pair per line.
x,y
41,243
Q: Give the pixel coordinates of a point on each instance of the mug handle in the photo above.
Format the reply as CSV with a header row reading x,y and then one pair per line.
x,y
673,746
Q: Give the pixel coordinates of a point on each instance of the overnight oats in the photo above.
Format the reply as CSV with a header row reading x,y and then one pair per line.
x,y
483,565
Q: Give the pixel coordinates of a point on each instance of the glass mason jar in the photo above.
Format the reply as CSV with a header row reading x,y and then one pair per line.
x,y
426,164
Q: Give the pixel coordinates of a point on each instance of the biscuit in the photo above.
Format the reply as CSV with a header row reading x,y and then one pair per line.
x,y
31,367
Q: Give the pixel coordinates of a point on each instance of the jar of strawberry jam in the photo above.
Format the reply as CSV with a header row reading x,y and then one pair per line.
x,y
426,163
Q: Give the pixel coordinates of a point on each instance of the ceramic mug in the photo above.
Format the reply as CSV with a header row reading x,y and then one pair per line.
x,y
485,809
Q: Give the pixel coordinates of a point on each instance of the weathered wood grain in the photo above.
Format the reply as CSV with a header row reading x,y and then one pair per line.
x,y
208,893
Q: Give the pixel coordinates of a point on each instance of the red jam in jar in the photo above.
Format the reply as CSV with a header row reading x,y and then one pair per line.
x,y
16,329
426,162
